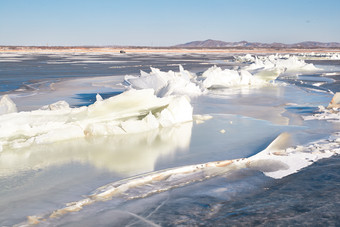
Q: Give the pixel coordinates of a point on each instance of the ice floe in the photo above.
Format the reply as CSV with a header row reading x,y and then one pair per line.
x,y
133,111
187,83
287,62
165,83
215,77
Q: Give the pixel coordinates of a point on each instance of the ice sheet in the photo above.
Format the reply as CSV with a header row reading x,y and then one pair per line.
x,y
62,138
275,161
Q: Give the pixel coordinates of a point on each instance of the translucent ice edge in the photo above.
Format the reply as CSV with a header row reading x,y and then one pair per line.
x,y
273,162
185,82
133,111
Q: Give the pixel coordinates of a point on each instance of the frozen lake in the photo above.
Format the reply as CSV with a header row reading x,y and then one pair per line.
x,y
160,176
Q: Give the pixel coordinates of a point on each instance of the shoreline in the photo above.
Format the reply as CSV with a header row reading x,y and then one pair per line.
x,y
162,50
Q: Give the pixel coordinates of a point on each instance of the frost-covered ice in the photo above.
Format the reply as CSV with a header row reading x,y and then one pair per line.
x,y
133,111
277,163
262,70
215,77
187,83
331,113
165,83
287,63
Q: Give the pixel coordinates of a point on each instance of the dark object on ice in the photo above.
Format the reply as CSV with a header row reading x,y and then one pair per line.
x,y
122,52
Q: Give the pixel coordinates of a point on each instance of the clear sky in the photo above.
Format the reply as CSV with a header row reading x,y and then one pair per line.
x,y
162,23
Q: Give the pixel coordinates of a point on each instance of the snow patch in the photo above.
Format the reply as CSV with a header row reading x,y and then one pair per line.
x,y
331,113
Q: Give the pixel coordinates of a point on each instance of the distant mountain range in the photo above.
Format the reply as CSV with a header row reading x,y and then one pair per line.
x,y
244,44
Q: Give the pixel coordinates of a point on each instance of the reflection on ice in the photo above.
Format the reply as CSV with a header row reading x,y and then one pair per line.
x,y
124,154
275,161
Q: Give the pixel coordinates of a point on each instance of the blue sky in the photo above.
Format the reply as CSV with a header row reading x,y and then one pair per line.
x,y
162,23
